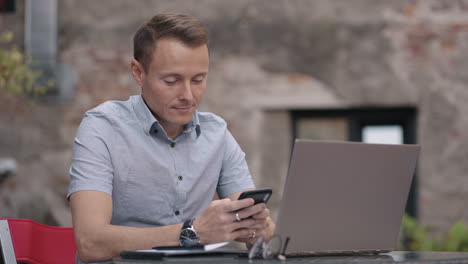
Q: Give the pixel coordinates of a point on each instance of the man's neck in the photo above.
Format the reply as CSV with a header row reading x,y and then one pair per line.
x,y
172,130
173,133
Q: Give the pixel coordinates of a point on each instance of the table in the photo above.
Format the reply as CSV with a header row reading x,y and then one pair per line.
x,y
406,257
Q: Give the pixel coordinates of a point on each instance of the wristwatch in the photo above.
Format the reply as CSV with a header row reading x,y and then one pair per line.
x,y
188,236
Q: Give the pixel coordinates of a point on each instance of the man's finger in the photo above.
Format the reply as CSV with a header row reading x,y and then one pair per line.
x,y
239,204
245,223
252,210
262,215
259,226
245,233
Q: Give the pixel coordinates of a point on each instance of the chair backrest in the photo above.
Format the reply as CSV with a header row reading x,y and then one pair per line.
x,y
35,243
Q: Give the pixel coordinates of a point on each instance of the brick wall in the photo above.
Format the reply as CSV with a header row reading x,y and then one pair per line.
x,y
267,57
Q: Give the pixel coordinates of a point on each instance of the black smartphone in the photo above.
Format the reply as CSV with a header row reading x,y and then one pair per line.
x,y
259,195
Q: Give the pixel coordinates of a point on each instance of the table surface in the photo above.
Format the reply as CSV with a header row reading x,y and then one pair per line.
x,y
392,257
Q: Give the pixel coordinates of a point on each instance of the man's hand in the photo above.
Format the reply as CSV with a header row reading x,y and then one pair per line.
x,y
267,231
219,222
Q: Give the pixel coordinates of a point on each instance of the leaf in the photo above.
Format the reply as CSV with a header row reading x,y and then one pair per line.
x,y
16,76
6,37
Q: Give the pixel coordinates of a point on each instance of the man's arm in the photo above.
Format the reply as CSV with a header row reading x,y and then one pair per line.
x,y
98,240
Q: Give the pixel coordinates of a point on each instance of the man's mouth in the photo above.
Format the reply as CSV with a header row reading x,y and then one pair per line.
x,y
183,109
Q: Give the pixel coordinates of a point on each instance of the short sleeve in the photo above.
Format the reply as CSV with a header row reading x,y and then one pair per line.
x,y
91,166
235,175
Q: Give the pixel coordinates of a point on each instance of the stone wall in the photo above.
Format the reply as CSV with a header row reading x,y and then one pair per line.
x,y
267,57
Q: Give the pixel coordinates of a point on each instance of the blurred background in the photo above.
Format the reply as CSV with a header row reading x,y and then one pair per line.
x,y
363,70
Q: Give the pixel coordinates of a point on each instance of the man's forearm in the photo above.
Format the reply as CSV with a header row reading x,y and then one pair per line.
x,y
101,243
98,240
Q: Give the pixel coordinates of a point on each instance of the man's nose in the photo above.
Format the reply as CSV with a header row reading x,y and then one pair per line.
x,y
186,92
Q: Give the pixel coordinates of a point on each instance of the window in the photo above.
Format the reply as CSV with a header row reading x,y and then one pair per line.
x,y
7,6
385,134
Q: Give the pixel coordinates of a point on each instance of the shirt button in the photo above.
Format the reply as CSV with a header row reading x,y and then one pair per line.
x,y
172,144
177,212
180,178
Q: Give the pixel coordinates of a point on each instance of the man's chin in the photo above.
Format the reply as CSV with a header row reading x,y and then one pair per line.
x,y
183,120
181,117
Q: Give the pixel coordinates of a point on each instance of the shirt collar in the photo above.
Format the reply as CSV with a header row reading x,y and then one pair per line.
x,y
147,119
194,124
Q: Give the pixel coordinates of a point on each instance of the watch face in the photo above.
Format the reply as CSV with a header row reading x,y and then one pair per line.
x,y
188,234
188,237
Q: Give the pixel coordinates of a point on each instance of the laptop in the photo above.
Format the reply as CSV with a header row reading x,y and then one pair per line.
x,y
345,197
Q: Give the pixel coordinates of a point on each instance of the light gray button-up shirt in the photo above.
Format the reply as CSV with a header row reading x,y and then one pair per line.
x,y
121,149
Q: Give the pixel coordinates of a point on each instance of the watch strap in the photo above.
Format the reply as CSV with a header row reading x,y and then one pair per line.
x,y
188,223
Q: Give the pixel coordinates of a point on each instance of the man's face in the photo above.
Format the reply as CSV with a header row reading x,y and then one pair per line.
x,y
174,82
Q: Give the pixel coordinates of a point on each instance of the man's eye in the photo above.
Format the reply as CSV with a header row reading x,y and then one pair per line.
x,y
197,81
170,82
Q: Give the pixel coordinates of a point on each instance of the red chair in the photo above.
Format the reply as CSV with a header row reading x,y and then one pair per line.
x,y
33,243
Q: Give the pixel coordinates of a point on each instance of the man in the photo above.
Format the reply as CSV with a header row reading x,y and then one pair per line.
x,y
144,171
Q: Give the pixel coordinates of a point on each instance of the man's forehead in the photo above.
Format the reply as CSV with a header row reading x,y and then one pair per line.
x,y
171,42
172,55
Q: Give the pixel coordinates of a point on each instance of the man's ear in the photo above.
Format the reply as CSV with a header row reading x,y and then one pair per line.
x,y
137,71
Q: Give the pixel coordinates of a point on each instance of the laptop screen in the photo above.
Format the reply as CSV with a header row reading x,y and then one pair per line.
x,y
345,196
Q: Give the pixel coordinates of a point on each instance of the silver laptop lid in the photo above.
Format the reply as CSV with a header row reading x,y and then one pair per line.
x,y
345,196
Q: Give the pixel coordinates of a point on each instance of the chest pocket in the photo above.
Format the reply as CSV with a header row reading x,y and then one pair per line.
x,y
148,198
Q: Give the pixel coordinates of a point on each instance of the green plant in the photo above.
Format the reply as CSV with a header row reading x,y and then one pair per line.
x,y
16,77
414,237
457,237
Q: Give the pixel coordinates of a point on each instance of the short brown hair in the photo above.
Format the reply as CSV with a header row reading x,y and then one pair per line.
x,y
182,27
